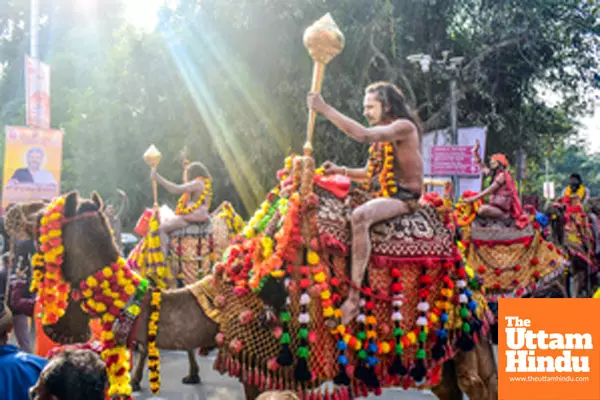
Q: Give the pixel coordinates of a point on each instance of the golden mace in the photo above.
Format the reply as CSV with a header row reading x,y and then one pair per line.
x,y
323,40
152,157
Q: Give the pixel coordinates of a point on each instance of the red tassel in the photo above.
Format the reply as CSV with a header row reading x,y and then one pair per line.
x,y
280,383
263,382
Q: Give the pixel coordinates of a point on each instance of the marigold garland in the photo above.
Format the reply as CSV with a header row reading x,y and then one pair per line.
x,y
47,281
154,267
234,222
580,192
381,165
153,353
205,199
105,295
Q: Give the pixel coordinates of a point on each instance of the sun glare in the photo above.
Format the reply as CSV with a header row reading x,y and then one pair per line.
x,y
142,13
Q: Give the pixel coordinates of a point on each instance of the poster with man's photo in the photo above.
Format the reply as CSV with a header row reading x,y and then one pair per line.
x,y
32,164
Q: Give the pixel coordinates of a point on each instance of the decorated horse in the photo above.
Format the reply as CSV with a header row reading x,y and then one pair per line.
x,y
572,230
273,306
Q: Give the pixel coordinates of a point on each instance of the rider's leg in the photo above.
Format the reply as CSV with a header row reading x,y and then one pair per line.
x,y
490,211
166,228
363,217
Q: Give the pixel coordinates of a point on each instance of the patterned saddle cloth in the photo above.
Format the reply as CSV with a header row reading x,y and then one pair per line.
x,y
420,234
490,232
202,229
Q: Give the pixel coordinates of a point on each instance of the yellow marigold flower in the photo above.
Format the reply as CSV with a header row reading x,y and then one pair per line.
x,y
100,307
371,334
328,312
320,277
338,313
326,294
433,317
120,304
87,293
107,272
312,258
44,221
130,289
341,329
347,338
91,281
371,320
358,345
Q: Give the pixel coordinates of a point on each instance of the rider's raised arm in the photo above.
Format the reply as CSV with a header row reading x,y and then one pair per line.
x,y
397,131
173,188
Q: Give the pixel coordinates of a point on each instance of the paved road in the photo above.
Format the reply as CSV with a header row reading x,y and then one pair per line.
x,y
220,387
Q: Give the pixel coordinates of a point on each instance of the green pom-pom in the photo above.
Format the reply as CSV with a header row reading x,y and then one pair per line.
x,y
473,284
422,336
303,333
466,327
302,352
361,335
420,354
464,313
398,349
398,332
285,338
285,316
362,354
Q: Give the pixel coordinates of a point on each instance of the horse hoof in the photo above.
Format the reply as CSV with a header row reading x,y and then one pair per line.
x,y
191,380
136,387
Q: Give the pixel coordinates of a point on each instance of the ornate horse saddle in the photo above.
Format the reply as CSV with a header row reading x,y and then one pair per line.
x,y
201,229
420,234
487,231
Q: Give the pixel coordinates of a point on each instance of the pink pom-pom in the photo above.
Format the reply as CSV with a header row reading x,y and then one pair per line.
x,y
312,336
220,338
272,364
277,332
245,317
235,345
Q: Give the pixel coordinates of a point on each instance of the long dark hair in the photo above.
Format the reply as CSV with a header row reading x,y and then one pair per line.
x,y
393,104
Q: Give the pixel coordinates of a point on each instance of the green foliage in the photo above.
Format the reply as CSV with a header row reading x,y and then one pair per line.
x,y
228,79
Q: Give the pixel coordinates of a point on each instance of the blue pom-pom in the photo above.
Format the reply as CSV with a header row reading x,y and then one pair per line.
x,y
373,361
372,348
444,317
342,360
542,219
441,333
341,345
468,293
472,305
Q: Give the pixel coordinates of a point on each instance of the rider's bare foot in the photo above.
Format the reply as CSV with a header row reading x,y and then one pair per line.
x,y
350,308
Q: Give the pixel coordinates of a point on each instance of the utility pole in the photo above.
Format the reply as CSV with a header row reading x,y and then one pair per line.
x,y
35,23
454,128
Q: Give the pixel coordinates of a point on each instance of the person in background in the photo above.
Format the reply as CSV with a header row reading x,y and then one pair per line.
x,y
115,217
19,371
73,374
273,395
21,300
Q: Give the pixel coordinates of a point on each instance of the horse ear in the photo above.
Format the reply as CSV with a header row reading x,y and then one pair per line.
x,y
97,200
71,200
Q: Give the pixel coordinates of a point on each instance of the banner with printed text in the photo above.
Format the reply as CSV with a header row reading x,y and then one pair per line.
x,y
32,164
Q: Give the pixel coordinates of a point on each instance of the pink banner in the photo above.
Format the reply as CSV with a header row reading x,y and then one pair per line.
x,y
453,160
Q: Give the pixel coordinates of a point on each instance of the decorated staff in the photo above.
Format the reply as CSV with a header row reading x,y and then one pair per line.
x,y
323,40
152,157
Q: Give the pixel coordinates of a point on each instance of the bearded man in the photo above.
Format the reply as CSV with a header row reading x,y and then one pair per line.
x,y
393,174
